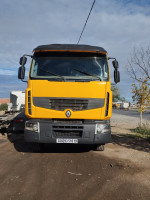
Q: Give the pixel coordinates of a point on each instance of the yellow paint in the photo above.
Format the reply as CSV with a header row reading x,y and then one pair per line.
x,y
93,89
44,88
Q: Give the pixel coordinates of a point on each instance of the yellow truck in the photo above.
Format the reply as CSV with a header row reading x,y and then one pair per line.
x,y
68,97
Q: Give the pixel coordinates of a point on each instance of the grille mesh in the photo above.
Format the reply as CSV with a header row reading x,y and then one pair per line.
x,y
73,104
67,131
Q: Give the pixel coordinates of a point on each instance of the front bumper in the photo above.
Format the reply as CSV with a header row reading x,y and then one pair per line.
x,y
85,131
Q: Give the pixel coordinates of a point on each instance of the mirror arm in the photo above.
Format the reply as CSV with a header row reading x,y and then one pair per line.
x,y
28,55
24,81
111,58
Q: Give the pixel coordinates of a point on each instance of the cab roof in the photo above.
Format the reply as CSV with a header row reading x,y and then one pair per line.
x,y
70,47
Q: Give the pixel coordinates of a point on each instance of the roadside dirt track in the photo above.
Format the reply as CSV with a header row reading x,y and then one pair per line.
x,y
121,172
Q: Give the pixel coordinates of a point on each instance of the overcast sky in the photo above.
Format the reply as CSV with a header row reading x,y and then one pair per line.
x,y
116,25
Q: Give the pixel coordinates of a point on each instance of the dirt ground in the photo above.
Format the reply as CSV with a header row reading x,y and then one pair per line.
x,y
121,172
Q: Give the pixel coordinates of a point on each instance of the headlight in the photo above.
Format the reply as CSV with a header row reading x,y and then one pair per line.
x,y
32,126
102,128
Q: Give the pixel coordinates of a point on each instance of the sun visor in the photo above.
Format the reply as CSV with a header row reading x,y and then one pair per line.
x,y
70,47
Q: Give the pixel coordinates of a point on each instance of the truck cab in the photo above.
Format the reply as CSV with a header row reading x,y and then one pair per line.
x,y
68,97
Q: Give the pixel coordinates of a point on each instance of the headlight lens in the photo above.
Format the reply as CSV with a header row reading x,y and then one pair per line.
x,y
32,126
102,128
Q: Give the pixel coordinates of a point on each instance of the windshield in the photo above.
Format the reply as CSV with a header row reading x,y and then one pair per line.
x,y
69,68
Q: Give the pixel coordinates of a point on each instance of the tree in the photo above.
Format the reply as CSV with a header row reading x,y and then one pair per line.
x,y
139,70
3,106
139,65
116,94
141,94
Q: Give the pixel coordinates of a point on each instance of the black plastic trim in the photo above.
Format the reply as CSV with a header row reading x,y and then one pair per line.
x,y
69,47
85,133
29,103
107,105
75,104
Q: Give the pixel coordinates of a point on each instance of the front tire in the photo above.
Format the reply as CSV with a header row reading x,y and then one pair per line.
x,y
99,147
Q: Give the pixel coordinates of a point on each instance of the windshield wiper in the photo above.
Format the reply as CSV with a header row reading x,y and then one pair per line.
x,y
86,73
52,73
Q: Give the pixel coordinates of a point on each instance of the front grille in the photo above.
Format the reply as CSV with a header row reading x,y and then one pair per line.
x,y
66,121
73,104
65,134
67,131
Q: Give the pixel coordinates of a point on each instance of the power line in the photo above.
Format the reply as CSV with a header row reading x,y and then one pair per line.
x,y
86,21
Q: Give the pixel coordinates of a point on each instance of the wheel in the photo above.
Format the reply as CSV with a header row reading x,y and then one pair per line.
x,y
100,147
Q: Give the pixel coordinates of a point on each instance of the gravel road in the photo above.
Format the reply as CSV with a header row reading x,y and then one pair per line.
x,y
121,172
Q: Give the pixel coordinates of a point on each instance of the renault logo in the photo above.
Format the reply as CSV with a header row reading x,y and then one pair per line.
x,y
68,113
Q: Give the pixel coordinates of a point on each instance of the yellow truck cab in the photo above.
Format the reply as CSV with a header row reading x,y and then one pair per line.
x,y
68,97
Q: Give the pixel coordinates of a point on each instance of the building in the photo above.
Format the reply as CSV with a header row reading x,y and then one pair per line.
x,y
4,100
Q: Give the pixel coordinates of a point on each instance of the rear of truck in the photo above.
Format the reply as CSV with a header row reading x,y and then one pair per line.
x,y
68,98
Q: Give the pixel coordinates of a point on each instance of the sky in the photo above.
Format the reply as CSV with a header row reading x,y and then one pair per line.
x,y
116,25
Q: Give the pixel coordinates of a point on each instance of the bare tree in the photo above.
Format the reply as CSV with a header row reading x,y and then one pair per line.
x,y
139,70
139,65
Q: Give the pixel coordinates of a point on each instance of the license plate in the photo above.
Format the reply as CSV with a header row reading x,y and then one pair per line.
x,y
70,141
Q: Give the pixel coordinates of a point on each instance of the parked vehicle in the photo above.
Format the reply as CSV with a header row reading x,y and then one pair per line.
x,y
124,105
17,101
69,97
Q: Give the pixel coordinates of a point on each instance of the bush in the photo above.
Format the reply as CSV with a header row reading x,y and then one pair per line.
x,y
3,106
143,131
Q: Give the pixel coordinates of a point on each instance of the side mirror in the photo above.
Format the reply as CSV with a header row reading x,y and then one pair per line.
x,y
116,76
23,61
115,64
21,72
